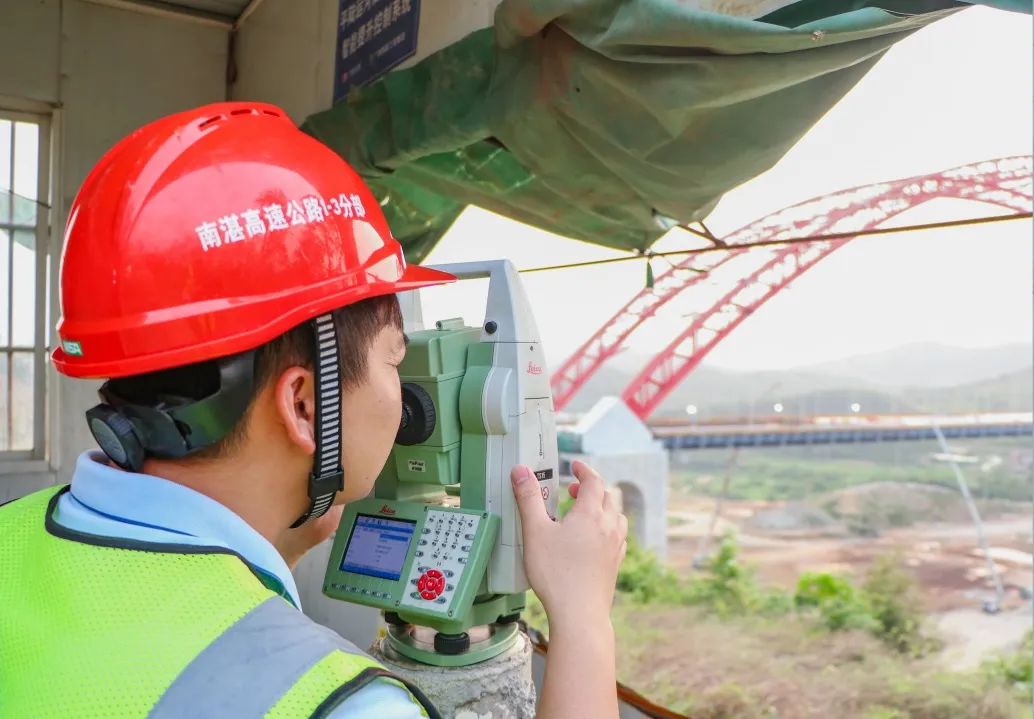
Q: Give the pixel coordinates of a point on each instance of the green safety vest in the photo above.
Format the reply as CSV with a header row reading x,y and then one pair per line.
x,y
120,629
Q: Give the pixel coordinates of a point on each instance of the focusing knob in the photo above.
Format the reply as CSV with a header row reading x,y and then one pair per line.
x,y
451,644
116,436
418,415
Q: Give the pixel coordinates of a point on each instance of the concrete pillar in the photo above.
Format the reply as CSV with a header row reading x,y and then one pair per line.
x,y
499,688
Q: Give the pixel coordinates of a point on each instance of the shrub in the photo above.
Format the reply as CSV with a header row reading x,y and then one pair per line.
x,y
645,578
727,587
1015,670
836,601
894,603
887,606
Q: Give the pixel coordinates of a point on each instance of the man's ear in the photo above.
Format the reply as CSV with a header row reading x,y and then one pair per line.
x,y
295,401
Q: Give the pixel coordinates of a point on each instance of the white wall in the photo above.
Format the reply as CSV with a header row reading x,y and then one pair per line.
x,y
100,73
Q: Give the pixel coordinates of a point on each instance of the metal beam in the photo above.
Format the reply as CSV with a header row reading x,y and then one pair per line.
x,y
170,11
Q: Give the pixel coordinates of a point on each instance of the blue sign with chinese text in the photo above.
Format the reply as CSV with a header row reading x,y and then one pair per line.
x,y
373,36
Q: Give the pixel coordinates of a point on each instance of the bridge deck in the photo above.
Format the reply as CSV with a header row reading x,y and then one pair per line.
x,y
847,431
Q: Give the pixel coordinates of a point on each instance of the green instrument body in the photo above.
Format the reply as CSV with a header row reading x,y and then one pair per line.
x,y
438,544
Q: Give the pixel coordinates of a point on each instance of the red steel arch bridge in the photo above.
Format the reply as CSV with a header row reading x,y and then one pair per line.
x,y
1005,182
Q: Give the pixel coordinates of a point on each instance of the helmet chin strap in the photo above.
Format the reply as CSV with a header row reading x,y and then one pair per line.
x,y
327,478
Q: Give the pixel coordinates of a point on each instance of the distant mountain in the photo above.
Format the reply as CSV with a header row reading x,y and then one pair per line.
x,y
928,364
816,390
711,389
825,401
1010,392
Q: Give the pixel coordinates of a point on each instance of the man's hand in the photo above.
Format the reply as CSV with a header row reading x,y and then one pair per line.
x,y
294,543
572,564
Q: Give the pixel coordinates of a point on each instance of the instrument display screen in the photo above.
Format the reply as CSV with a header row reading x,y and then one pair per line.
x,y
378,546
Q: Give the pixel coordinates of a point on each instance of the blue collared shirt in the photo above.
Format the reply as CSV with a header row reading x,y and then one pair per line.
x,y
110,502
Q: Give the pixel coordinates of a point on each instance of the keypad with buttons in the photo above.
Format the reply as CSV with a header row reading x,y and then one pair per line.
x,y
444,548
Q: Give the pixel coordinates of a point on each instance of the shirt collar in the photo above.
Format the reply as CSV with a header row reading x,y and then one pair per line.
x,y
143,499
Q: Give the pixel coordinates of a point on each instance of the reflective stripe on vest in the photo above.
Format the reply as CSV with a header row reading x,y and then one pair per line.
x,y
247,669
95,627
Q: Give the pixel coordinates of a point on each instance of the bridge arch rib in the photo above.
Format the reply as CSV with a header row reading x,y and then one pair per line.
x,y
1005,182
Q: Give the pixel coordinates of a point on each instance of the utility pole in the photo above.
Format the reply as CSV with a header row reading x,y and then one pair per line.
x,y
975,516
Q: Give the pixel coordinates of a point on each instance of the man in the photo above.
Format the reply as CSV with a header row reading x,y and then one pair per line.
x,y
234,282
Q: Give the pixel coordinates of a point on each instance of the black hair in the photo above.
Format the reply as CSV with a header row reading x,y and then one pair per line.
x,y
357,324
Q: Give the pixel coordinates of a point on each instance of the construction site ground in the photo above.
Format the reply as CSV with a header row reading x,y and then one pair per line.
x,y
943,558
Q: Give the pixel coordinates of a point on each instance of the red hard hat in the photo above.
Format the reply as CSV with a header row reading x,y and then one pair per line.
x,y
210,232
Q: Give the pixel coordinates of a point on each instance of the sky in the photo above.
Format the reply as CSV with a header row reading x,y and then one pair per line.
x,y
955,92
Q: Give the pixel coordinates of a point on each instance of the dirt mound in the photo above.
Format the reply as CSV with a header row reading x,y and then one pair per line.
x,y
873,507
794,517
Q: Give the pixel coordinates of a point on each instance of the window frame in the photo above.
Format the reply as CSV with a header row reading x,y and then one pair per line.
x,y
34,459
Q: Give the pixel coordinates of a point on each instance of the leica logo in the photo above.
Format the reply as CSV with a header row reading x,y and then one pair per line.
x,y
534,368
387,510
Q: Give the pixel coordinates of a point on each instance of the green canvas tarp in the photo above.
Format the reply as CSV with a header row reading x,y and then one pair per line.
x,y
608,121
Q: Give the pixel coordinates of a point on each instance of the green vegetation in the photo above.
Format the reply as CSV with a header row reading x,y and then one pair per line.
x,y
1014,670
835,601
725,588
644,578
892,599
800,473
753,667
886,605
718,645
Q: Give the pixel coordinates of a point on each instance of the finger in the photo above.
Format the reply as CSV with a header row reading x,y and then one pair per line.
x,y
530,504
609,502
622,552
572,489
623,527
591,491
